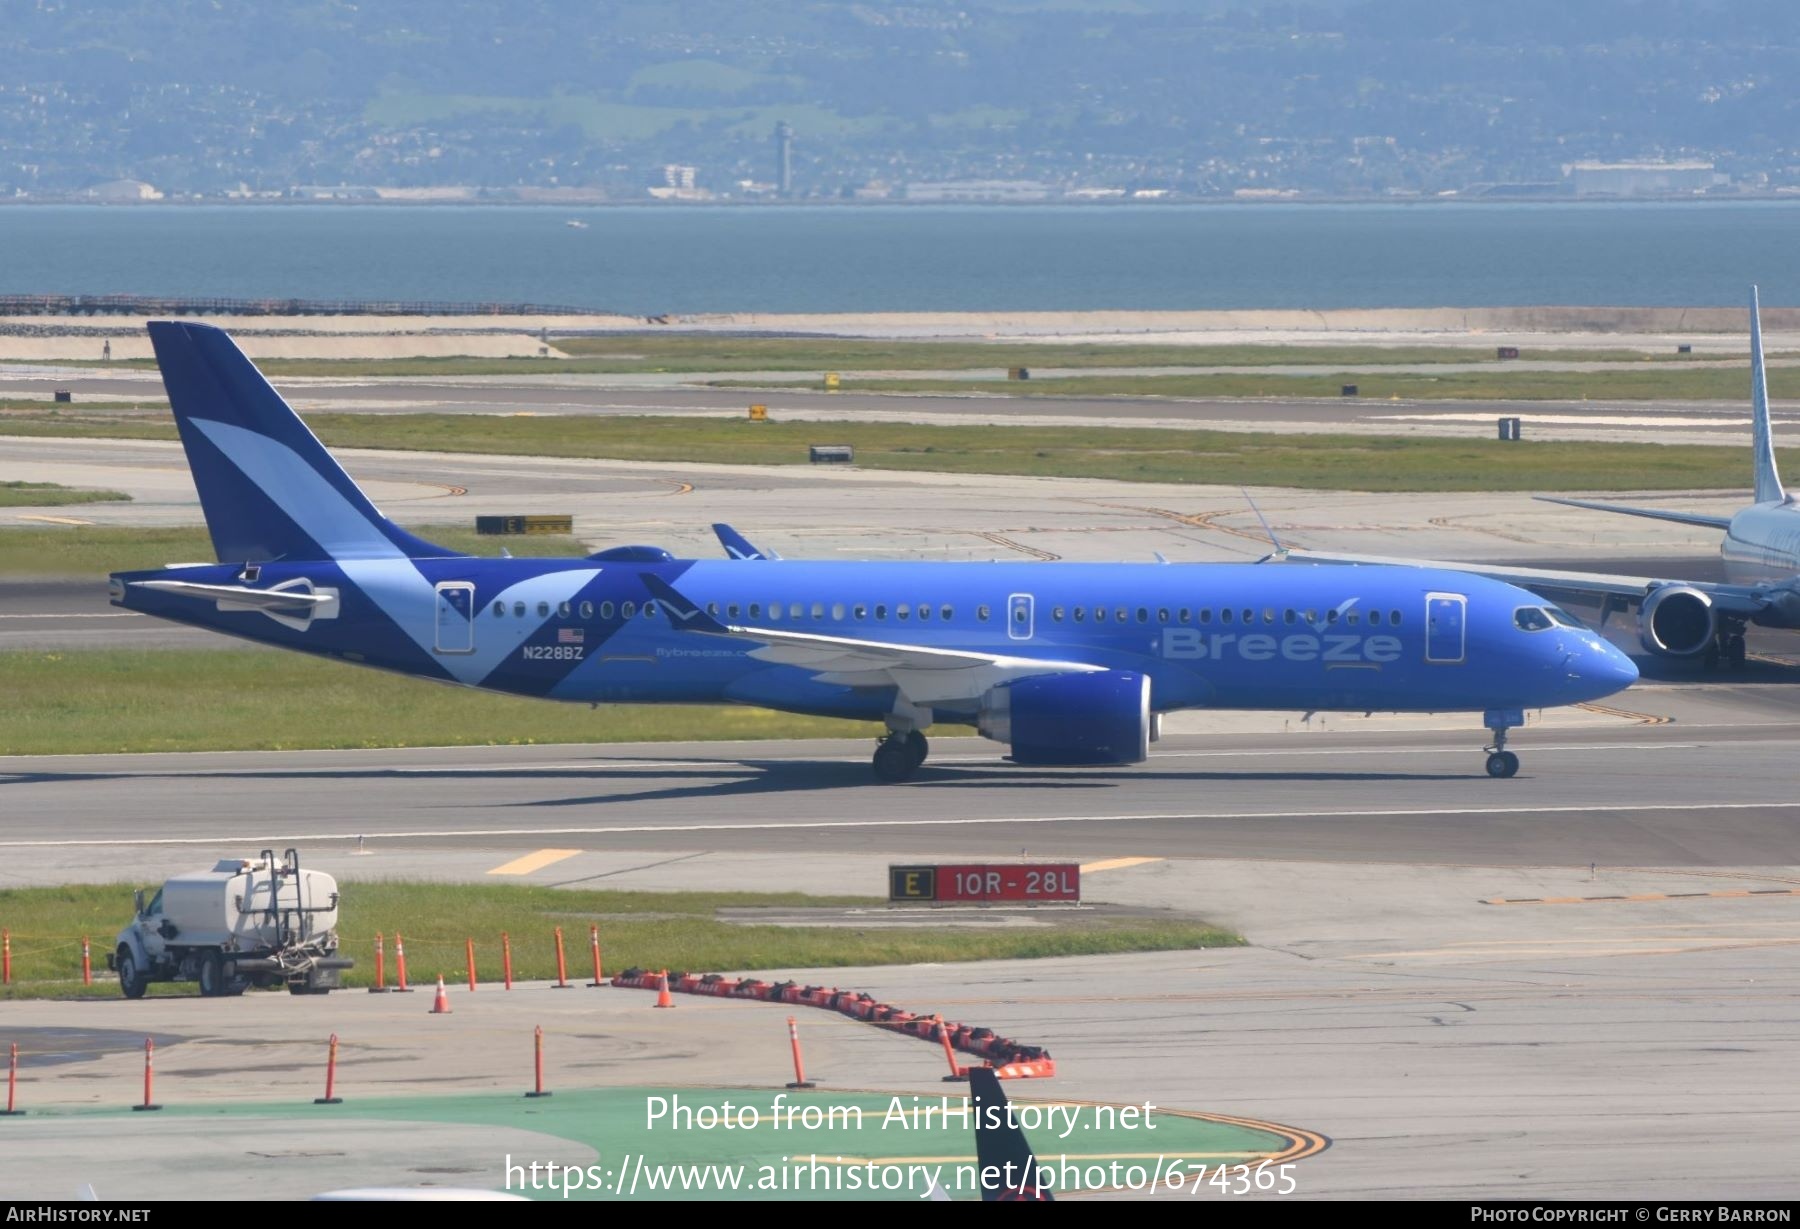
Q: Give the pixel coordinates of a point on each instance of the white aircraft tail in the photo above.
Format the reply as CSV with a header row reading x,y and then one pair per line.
x,y
1768,477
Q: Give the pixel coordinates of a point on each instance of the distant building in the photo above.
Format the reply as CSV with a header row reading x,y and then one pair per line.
x,y
678,185
784,158
979,190
122,190
1642,178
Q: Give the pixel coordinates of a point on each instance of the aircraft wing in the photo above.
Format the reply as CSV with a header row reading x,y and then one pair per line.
x,y
923,673
1655,514
235,595
1596,587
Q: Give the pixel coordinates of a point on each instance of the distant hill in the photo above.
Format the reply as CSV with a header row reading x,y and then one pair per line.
x,y
1193,96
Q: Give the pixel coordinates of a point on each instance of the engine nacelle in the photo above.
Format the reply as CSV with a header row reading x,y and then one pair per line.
x,y
1099,718
1677,621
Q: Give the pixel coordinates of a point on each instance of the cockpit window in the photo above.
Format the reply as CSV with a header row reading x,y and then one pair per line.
x,y
1530,619
1562,616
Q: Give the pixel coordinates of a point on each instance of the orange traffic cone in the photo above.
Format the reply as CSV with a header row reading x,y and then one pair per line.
x,y
662,995
441,1005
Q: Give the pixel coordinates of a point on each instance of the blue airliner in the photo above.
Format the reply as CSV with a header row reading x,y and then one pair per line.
x,y
1068,663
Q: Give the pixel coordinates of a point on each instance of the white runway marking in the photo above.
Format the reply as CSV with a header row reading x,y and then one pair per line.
x,y
1623,808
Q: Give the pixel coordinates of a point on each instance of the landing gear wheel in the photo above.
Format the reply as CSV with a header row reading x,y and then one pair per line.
x,y
917,747
132,981
1502,764
894,761
212,976
1735,652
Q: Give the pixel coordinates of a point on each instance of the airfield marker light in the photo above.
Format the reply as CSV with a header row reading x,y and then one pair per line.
x,y
149,1075
800,1080
380,986
400,964
87,963
469,957
562,968
594,942
506,958
330,1097
12,1083
537,1060
956,1072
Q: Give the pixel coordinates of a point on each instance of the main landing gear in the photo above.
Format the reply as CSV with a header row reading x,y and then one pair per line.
x,y
1500,761
899,755
1727,648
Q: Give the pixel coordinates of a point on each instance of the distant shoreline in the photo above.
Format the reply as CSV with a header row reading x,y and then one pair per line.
x,y
1190,202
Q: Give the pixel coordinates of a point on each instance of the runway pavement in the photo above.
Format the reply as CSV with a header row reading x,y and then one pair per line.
x,y
1706,422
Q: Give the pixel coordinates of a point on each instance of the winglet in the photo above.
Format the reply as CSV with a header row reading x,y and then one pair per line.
x,y
736,545
1768,478
1280,551
682,614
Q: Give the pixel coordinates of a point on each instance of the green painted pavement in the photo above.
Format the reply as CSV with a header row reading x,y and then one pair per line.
x,y
713,1143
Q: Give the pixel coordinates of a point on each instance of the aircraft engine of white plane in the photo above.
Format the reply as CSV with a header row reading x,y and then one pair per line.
x,y
1098,718
1677,621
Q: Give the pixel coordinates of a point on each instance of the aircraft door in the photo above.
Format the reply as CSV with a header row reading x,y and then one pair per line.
x,y
1446,627
1019,616
456,617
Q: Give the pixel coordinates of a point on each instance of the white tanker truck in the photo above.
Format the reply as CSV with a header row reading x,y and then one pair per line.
x,y
243,923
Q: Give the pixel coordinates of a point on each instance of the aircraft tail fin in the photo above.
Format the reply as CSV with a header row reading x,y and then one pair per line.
x,y
1768,477
1004,1162
268,487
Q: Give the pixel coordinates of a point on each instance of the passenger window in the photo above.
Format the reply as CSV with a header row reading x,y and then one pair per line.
x,y
837,610
627,609
1019,614
1374,618
1099,614
945,612
543,610
862,612
982,612
1312,618
1268,614
880,613
712,608
1056,614
587,611
1143,615
796,611
1185,612
1120,614
756,610
1331,616
649,609
774,612
606,610
1249,616
1162,615
818,610
902,611
1287,616
731,611
924,611
562,611
499,608
518,610
1393,618
1224,615
1352,618
1080,613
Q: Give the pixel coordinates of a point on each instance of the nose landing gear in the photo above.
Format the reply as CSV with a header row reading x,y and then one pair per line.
x,y
1500,761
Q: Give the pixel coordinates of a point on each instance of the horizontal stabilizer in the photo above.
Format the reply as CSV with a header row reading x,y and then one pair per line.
x,y
237,595
1655,514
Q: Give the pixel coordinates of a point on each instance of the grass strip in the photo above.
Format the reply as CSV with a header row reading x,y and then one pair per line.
x,y
125,700
51,495
676,930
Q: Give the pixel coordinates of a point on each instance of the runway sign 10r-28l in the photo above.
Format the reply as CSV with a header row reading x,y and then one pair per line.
x,y
987,883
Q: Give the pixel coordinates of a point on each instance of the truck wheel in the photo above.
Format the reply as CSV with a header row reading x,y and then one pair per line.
x,y
132,980
212,975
